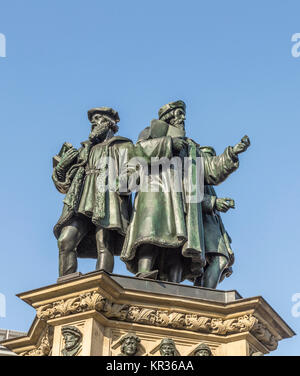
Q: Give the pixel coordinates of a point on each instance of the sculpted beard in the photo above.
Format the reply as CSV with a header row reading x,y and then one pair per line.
x,y
99,132
178,123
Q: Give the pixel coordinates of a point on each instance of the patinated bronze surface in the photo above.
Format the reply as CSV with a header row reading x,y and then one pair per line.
x,y
202,350
93,222
129,345
73,341
218,253
166,236
167,347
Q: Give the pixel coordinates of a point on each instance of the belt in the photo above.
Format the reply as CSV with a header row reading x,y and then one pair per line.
x,y
92,171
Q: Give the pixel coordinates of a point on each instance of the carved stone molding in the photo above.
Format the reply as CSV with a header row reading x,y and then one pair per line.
x,y
45,347
263,335
156,317
82,303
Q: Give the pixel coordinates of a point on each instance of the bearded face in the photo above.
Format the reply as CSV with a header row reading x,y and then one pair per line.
x,y
70,341
178,118
129,347
101,127
167,349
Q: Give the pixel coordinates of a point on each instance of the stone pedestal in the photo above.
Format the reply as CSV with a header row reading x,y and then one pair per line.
x,y
100,309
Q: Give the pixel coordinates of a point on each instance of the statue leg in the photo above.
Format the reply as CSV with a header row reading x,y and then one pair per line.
x,y
70,236
105,259
198,281
214,270
175,266
146,256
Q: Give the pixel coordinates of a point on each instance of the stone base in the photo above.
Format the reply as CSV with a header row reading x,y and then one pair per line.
x,y
100,309
68,277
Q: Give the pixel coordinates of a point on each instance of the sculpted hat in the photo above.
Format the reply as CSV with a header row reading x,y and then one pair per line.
x,y
169,107
106,111
203,346
72,330
167,341
130,335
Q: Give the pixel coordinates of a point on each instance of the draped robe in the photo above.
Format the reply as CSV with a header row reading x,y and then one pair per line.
x,y
164,219
109,210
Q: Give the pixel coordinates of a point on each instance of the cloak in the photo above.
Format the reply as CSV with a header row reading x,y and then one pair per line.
x,y
82,197
164,218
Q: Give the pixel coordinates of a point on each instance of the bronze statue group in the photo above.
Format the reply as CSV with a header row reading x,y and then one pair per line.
x,y
162,235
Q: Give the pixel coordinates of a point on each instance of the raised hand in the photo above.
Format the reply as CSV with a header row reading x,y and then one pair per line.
x,y
242,145
67,159
224,204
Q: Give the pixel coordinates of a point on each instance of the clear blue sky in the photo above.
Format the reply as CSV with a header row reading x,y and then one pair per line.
x,y
230,61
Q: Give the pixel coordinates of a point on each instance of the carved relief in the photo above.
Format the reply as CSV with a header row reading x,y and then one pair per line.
x,y
72,339
45,346
198,323
81,303
141,315
113,310
167,347
236,325
162,318
264,336
202,350
129,345
174,320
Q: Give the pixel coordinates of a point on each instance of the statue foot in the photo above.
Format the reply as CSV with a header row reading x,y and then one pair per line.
x,y
198,282
150,275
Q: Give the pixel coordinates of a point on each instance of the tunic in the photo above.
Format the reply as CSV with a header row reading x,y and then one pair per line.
x,y
108,209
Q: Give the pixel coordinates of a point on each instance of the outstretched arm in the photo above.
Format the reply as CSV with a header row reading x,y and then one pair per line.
x,y
217,169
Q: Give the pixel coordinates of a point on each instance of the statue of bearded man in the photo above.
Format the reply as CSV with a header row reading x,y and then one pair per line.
x,y
94,220
165,239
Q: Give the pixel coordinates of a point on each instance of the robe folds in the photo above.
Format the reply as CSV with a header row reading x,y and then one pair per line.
x,y
164,218
107,209
216,239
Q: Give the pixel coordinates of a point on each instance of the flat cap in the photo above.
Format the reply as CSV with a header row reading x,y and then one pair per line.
x,y
203,346
167,341
130,335
72,330
106,111
169,107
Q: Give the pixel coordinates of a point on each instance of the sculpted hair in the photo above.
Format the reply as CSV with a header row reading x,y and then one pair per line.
x,y
129,336
112,124
168,116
